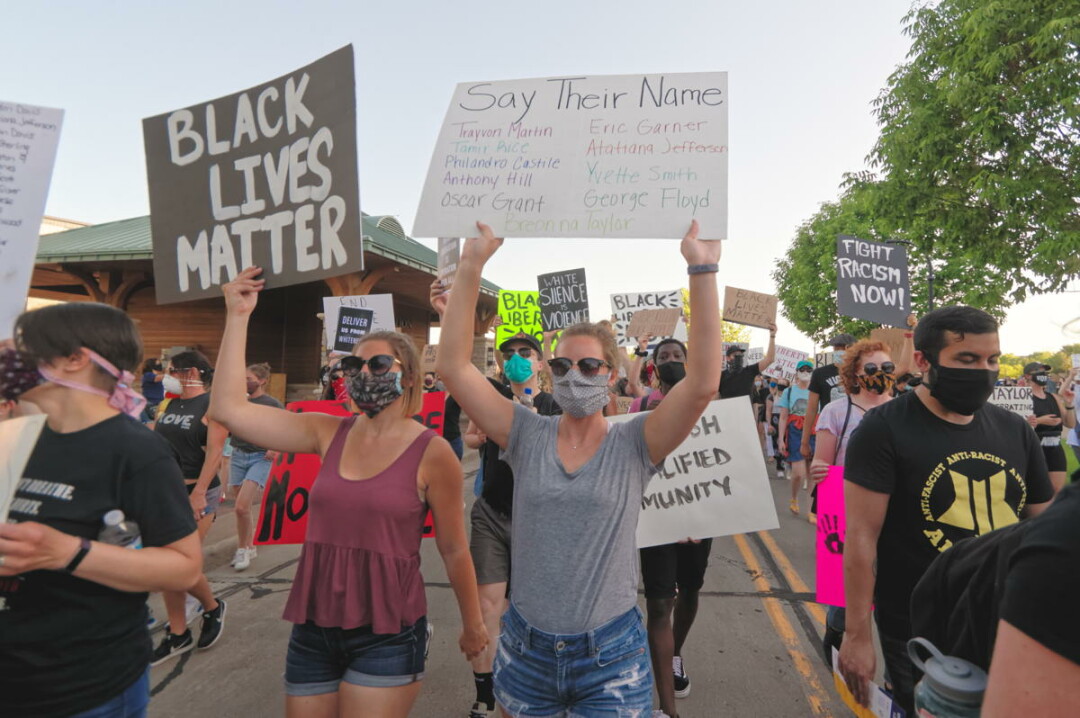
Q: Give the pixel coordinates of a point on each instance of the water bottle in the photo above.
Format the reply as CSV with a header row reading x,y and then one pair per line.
x,y
527,397
119,532
950,687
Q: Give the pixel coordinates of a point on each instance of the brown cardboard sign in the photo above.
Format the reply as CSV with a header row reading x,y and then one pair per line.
x,y
428,356
893,337
753,309
658,322
449,255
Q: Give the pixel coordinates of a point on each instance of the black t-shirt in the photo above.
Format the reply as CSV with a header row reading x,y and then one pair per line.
x,y
181,424
738,383
1043,580
237,442
67,644
498,489
451,419
825,382
1047,406
946,482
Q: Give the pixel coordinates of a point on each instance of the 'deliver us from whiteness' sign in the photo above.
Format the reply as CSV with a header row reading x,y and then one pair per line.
x,y
581,156
264,177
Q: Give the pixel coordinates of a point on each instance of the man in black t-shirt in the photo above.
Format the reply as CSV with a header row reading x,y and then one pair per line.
x,y
737,379
824,387
923,471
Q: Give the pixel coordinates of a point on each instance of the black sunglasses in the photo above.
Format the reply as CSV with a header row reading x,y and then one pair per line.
x,y
588,366
525,352
378,364
871,368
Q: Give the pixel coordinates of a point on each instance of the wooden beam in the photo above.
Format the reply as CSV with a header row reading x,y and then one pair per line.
x,y
88,280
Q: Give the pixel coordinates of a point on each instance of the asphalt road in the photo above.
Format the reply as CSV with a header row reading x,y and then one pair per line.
x,y
754,650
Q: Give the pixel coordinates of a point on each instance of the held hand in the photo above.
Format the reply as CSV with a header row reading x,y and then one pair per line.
x,y
480,249
772,330
1068,396
700,251
473,641
30,546
857,665
912,320
242,293
438,297
783,448
198,503
1033,420
644,341
690,540
804,447
819,471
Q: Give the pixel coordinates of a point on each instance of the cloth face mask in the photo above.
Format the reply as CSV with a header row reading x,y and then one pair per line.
x,y
372,394
581,396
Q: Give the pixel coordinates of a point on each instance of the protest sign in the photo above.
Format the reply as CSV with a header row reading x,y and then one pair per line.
x,y
380,305
428,357
831,533
623,403
519,312
578,156
754,355
284,515
895,338
624,306
753,309
1076,361
18,437
449,254
872,281
658,322
783,366
564,299
29,136
353,323
1016,399
264,177
713,484
881,703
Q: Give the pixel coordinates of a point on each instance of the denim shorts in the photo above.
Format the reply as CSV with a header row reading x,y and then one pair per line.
x,y
604,672
249,466
319,659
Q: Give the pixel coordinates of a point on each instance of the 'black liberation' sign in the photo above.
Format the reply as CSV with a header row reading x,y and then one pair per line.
x,y
872,281
264,177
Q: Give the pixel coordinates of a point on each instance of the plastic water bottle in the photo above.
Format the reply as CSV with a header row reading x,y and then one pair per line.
x,y
119,532
950,687
527,397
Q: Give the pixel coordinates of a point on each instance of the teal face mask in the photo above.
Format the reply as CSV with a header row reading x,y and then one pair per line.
x,y
518,369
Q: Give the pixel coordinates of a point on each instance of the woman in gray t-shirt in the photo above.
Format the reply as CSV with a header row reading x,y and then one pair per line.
x,y
573,637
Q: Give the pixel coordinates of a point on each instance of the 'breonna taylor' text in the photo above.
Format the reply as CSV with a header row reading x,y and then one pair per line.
x,y
297,175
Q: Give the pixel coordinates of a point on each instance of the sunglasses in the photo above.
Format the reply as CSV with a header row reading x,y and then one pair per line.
x,y
174,370
587,366
524,352
886,367
378,364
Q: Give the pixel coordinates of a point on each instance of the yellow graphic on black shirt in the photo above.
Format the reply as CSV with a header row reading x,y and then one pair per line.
x,y
981,497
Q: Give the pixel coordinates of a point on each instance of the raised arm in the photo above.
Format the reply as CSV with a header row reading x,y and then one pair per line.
x,y
265,425
770,353
480,401
670,423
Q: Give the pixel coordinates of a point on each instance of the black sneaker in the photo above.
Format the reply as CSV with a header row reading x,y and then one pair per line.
x,y
682,681
172,646
212,623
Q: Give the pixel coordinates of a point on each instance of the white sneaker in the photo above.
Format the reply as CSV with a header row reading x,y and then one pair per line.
x,y
243,558
192,608
659,714
252,553
240,553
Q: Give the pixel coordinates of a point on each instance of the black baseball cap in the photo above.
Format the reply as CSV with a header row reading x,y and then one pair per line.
x,y
734,348
842,340
1035,367
522,337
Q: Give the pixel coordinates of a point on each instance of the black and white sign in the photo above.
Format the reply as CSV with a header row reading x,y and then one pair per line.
x,y
872,281
265,177
353,323
564,299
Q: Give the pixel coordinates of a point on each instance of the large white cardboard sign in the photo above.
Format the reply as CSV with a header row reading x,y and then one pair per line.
x,y
381,304
714,484
623,307
783,366
18,437
28,139
581,156
1016,399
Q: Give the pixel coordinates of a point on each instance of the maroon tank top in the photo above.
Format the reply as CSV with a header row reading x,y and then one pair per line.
x,y
360,564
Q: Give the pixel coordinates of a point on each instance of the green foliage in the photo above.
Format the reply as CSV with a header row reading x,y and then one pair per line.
x,y
977,163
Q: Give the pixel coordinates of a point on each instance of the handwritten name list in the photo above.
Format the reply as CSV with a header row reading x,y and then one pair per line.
x,y
600,156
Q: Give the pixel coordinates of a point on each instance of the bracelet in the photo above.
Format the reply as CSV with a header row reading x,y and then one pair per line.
x,y
640,354
84,548
908,335
702,268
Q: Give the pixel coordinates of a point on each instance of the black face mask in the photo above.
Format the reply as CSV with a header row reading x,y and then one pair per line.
x,y
735,363
963,391
672,372
1041,379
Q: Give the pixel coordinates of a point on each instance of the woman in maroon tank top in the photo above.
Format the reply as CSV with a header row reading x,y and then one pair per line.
x,y
357,602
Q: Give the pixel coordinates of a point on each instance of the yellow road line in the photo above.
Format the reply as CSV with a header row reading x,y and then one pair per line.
x,y
793,577
815,694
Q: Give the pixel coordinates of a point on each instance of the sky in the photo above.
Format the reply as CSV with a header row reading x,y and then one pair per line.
x,y
802,77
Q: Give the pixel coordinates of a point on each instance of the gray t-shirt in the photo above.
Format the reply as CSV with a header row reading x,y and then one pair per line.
x,y
240,444
573,544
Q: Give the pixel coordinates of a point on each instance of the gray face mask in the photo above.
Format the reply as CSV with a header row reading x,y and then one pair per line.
x,y
580,396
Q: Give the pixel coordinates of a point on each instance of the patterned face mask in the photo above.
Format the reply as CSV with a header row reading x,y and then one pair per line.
x,y
878,383
372,394
17,375
579,395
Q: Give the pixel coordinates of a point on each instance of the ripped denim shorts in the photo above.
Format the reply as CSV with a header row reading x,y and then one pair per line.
x,y
603,672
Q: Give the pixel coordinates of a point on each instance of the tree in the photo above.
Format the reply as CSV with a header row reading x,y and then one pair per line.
x,y
977,163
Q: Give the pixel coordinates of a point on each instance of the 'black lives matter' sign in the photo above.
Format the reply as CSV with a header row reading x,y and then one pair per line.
x,y
264,177
872,281
353,323
564,299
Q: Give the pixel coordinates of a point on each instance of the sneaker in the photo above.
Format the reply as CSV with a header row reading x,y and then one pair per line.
x,y
192,609
252,553
151,619
172,646
242,559
241,553
794,506
659,714
212,623
682,681
480,710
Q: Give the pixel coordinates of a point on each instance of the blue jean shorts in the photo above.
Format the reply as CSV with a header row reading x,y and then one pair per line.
x,y
249,466
604,672
319,659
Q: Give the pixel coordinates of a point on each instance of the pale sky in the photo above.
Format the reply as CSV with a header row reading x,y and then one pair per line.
x,y
801,78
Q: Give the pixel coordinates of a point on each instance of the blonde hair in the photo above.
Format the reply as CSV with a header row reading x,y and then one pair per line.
x,y
404,351
601,334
